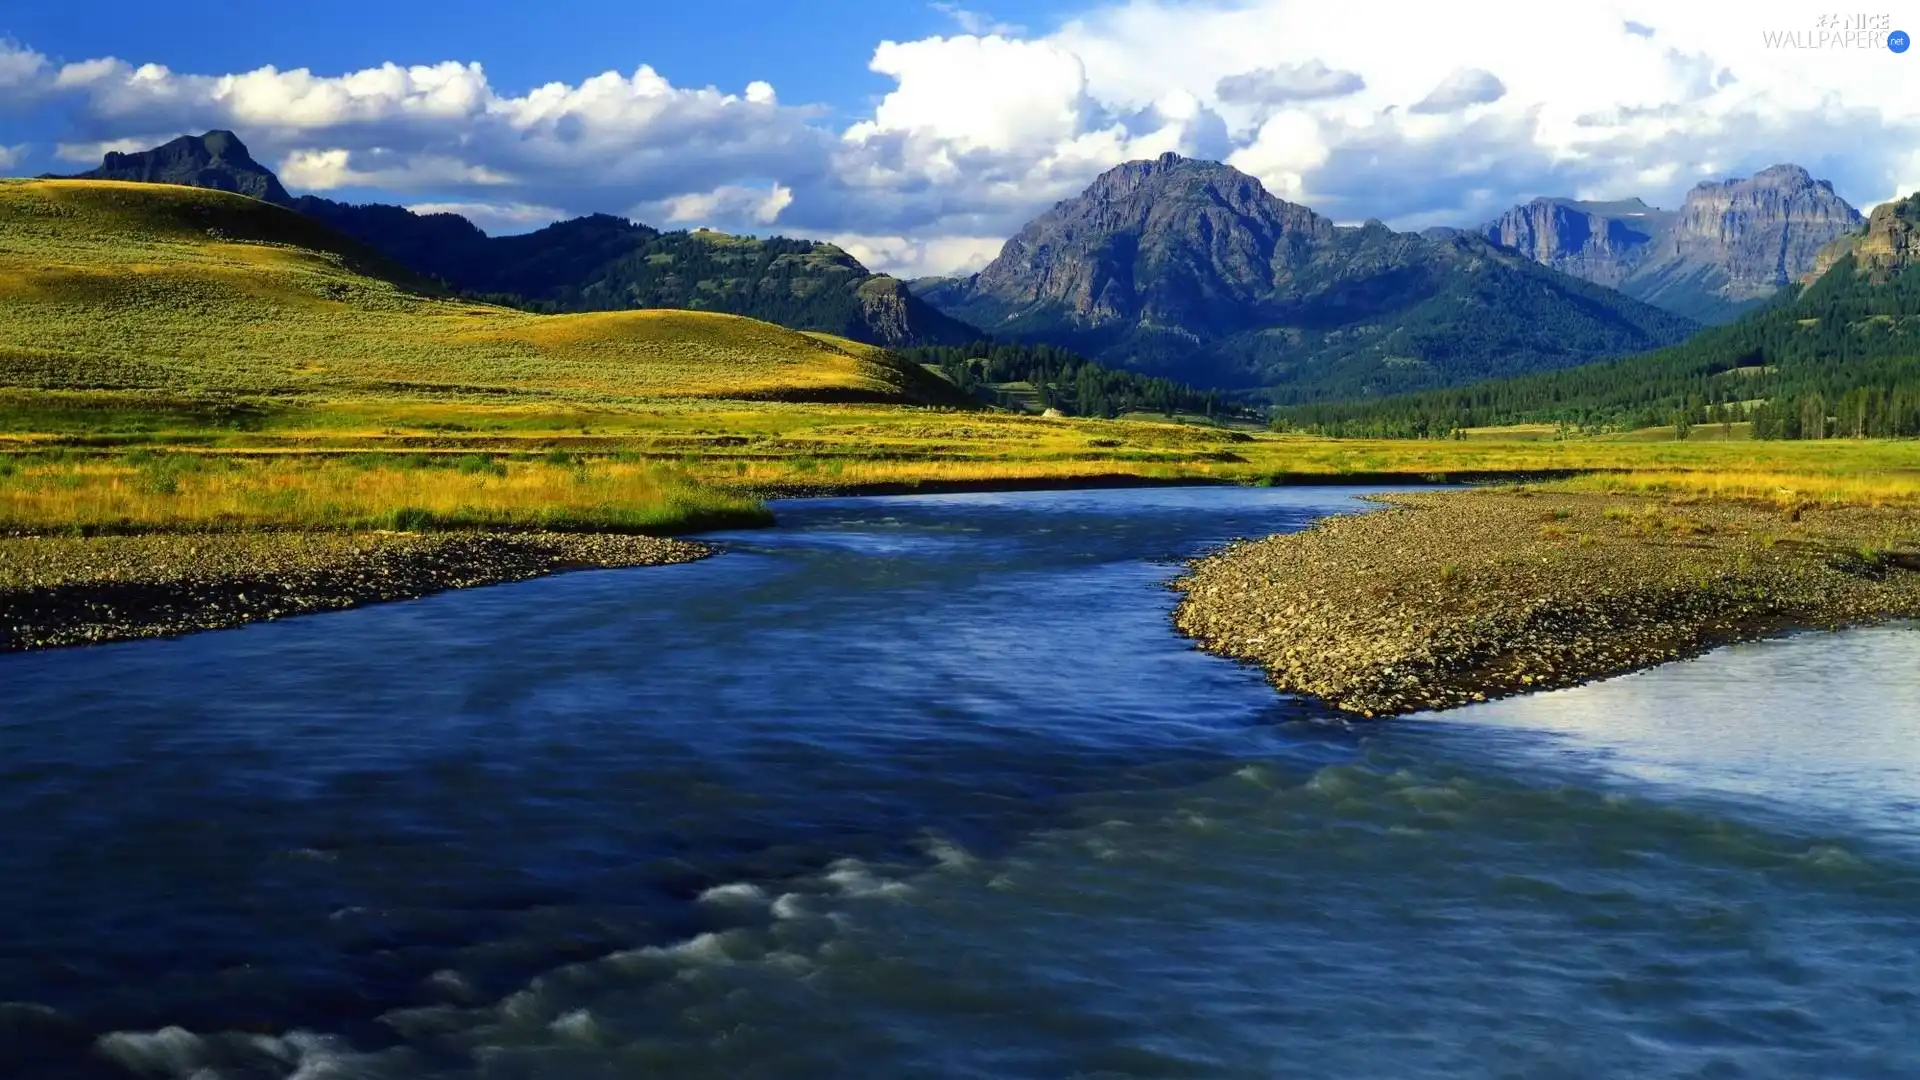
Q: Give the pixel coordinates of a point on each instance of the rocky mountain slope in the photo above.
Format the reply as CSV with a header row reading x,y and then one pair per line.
x,y
606,263
1598,241
593,263
1883,249
1192,269
1839,355
1731,244
217,160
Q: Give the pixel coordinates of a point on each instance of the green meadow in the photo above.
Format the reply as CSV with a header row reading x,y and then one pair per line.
x,y
179,359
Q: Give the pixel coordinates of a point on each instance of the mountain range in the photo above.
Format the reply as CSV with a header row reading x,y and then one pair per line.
x,y
1732,243
1187,267
594,263
1173,267
1840,355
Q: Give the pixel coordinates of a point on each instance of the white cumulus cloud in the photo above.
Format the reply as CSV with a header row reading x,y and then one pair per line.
x,y
443,129
724,204
1461,88
20,66
91,153
325,170
910,257
495,218
1416,114
1278,84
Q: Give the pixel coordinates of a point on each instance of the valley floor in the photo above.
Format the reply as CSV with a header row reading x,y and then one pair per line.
x,y
134,515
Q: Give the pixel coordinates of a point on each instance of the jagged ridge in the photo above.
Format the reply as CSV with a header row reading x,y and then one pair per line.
x,y
1192,269
1840,355
1731,244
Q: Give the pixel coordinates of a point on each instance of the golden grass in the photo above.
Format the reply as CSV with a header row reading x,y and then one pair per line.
x,y
253,352
1784,488
789,447
148,492
1513,433
140,286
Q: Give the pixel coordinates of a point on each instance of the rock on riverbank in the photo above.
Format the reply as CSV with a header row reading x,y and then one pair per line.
x,y
68,591
1448,598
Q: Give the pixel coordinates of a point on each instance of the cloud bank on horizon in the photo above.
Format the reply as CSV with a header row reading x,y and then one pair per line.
x,y
1417,115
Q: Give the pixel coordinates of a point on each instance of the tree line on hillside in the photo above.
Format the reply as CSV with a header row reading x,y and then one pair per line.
x,y
606,263
1840,358
1062,379
775,279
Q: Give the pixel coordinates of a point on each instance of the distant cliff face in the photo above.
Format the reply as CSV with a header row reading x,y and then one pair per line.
x,y
217,160
1731,243
1764,232
1888,244
1193,270
1598,241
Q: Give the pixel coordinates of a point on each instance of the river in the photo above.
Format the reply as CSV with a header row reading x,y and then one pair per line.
x,y
929,787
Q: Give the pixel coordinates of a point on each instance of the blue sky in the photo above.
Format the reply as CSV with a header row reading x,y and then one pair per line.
x,y
921,135
813,50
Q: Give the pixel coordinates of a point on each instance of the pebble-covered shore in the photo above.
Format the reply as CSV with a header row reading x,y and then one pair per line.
x,y
71,590
1442,599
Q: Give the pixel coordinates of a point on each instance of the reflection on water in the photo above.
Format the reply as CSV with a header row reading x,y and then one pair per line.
x,y
928,787
1821,724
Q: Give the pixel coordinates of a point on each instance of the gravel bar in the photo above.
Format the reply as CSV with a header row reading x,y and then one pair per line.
x,y
1442,599
58,591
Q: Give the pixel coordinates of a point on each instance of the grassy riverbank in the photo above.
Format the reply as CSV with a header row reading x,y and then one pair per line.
x,y
352,479
101,547
146,492
1447,598
297,479
300,475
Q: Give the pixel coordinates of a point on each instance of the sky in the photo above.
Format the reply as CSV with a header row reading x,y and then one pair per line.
x,y
920,136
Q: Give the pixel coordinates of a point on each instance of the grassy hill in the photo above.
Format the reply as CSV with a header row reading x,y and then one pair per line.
x,y
606,263
126,286
593,263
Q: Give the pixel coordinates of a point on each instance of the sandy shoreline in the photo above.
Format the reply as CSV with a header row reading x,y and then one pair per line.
x,y
1443,599
58,591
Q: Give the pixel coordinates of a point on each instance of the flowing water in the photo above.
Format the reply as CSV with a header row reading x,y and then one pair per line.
x,y
929,787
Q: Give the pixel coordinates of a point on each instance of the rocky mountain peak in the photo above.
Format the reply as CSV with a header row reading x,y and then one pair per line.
x,y
1171,174
1775,181
217,159
1888,244
1194,269
1788,176
1762,232
1595,241
1731,243
1171,240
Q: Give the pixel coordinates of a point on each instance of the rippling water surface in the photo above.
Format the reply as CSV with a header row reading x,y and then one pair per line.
x,y
928,787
